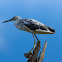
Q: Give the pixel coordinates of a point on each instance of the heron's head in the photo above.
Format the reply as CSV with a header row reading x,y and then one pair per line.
x,y
15,18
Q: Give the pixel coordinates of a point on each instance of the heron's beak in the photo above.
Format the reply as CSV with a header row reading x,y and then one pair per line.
x,y
7,20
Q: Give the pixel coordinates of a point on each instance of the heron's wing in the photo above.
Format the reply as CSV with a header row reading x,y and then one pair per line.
x,y
33,24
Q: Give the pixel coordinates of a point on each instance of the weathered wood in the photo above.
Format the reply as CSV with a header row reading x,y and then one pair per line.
x,y
41,56
35,53
33,57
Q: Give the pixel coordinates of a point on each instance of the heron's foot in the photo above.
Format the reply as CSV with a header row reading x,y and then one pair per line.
x,y
33,47
31,50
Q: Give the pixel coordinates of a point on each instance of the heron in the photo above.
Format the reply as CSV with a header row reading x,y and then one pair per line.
x,y
32,26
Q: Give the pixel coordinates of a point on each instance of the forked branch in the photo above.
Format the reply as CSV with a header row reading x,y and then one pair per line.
x,y
33,57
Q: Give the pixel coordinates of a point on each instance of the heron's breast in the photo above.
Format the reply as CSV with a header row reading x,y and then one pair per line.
x,y
20,26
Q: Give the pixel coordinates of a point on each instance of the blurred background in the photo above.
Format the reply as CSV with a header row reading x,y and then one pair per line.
x,y
14,43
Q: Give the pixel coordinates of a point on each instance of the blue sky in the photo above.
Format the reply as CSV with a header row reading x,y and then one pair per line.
x,y
14,43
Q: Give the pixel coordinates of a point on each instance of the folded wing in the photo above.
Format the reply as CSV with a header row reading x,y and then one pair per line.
x,y
35,25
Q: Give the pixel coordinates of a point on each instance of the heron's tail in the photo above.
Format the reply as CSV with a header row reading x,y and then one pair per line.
x,y
52,30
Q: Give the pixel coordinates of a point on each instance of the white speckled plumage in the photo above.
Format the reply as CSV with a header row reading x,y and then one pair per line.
x,y
21,24
32,26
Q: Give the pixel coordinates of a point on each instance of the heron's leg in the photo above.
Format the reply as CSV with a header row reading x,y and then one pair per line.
x,y
36,37
34,41
34,45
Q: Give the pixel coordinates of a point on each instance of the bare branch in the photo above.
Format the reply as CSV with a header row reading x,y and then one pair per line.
x,y
28,55
33,57
41,57
35,53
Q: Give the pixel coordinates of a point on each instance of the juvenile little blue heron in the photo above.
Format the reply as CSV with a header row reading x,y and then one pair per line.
x,y
32,26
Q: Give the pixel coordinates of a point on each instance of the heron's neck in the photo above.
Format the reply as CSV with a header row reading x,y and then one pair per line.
x,y
18,19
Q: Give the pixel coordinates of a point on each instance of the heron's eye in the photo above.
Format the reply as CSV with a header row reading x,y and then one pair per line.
x,y
13,18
